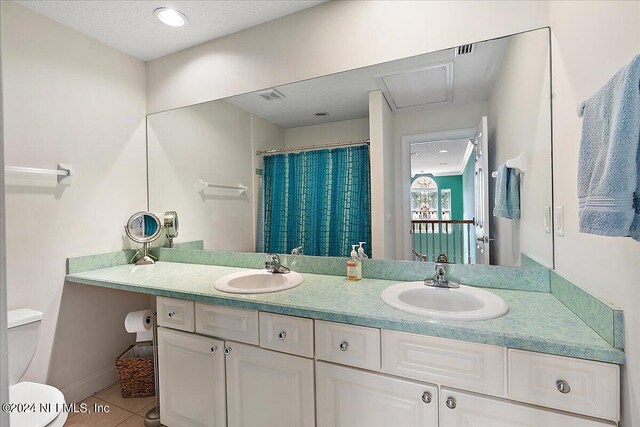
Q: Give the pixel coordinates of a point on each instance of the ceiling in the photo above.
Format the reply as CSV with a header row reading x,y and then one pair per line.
x,y
131,27
427,158
345,95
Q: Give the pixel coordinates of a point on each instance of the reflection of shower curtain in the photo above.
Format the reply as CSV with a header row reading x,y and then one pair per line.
x,y
260,224
150,226
319,200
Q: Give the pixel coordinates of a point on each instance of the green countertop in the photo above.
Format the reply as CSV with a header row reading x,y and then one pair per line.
x,y
536,321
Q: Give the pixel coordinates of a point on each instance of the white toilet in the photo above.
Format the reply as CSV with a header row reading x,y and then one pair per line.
x,y
23,328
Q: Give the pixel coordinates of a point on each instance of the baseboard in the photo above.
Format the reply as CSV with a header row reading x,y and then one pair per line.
x,y
80,390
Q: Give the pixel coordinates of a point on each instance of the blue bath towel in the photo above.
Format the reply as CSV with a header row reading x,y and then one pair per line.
x,y
608,164
507,201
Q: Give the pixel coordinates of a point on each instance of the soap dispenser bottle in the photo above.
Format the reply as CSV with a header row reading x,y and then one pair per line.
x,y
354,266
361,253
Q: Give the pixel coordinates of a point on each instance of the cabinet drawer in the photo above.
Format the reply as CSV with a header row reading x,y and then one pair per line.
x,y
286,333
590,388
469,366
228,323
347,344
175,313
458,408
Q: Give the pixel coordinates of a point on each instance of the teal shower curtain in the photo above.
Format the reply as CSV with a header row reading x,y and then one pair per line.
x,y
320,200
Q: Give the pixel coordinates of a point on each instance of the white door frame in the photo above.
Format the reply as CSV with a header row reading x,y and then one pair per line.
x,y
405,178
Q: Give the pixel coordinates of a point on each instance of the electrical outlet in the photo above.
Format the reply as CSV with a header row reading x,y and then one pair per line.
x,y
559,220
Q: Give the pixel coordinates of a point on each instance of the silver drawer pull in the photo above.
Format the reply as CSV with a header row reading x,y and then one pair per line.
x,y
344,346
426,397
563,386
227,350
451,403
171,313
282,335
214,349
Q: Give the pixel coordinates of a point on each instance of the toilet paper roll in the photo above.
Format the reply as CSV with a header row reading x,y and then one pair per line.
x,y
140,323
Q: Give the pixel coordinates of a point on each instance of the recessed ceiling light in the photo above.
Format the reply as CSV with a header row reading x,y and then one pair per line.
x,y
322,114
170,17
443,151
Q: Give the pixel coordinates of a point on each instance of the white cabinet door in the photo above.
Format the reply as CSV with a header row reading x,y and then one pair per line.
x,y
192,381
458,409
268,389
352,398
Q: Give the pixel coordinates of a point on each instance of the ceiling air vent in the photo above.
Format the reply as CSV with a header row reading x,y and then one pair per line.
x,y
271,94
465,49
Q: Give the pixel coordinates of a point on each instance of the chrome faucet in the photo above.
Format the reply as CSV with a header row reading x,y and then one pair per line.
x,y
296,251
440,280
273,265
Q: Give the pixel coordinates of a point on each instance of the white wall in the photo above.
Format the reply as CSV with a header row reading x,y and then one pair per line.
x,y
590,42
71,99
4,375
519,122
416,122
332,37
327,133
265,136
212,141
381,154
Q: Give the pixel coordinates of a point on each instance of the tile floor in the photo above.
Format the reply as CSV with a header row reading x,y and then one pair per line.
x,y
122,412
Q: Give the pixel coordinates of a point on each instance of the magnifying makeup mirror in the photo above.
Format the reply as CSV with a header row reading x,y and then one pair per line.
x,y
171,226
143,227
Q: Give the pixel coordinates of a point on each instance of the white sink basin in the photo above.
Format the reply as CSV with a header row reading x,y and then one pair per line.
x,y
258,282
463,303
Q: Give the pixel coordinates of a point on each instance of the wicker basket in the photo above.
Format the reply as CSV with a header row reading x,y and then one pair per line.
x,y
135,371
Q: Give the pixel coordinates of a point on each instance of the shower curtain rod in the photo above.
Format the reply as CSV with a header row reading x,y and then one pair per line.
x,y
312,147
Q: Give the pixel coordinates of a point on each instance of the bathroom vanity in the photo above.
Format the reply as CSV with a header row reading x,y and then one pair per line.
x,y
283,370
329,352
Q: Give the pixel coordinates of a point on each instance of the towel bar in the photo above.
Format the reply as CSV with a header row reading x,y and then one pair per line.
x,y
202,185
516,163
63,172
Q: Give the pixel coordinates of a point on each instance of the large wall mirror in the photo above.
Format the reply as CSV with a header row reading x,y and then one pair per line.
x,y
446,153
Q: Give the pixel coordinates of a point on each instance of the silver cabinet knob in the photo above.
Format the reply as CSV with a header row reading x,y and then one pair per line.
x,y
344,346
214,349
171,313
282,335
426,397
563,386
451,403
227,350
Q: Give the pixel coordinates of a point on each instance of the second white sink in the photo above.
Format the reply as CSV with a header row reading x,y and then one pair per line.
x,y
257,282
463,303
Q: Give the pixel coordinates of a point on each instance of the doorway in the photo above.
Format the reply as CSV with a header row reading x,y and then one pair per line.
x,y
440,196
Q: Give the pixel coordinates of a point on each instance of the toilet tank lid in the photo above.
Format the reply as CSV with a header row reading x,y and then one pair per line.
x,y
22,316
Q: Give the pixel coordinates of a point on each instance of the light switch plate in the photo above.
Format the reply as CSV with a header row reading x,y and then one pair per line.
x,y
559,220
